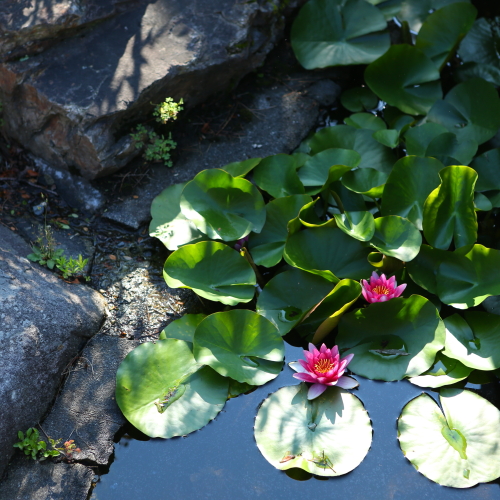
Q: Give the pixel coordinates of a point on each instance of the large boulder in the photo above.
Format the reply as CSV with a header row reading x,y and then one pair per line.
x,y
44,323
73,104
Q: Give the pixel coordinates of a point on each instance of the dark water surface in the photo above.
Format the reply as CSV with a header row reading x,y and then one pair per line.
x,y
222,461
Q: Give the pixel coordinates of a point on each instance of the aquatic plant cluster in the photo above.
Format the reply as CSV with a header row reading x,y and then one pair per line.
x,y
403,195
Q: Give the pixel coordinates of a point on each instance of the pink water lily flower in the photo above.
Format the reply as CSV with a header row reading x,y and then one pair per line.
x,y
323,368
381,289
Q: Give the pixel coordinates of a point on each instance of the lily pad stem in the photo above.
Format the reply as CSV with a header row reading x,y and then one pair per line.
x,y
337,199
248,257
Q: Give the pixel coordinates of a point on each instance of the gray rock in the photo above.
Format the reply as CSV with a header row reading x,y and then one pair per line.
x,y
44,322
73,104
281,120
325,92
27,479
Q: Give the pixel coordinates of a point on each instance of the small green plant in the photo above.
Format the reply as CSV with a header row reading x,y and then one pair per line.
x,y
71,267
157,147
45,251
31,445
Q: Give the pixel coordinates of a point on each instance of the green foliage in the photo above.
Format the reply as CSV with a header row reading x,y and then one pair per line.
x,y
37,449
168,110
71,267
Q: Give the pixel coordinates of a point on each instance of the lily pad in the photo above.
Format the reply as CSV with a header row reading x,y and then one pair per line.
x,y
392,340
389,138
289,297
358,225
458,446
417,139
338,32
328,252
411,181
367,181
213,270
468,275
396,237
278,176
471,110
481,43
164,392
182,328
414,85
240,344
443,30
169,225
222,206
487,167
327,436
267,247
450,150
449,210
424,267
445,371
241,168
359,99
474,341
482,202
365,120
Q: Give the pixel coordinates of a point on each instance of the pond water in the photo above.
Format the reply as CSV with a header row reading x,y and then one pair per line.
x,y
222,461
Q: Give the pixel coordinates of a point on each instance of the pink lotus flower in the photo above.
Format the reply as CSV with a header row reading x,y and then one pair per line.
x,y
323,368
381,289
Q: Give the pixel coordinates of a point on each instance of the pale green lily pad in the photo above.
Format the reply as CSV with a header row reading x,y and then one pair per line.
x,y
241,168
392,340
182,328
213,270
164,392
222,206
445,371
458,446
327,436
366,181
240,344
328,252
168,224
474,341
338,32
358,225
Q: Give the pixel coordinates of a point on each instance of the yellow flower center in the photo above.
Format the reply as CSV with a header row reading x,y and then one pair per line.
x,y
381,289
323,366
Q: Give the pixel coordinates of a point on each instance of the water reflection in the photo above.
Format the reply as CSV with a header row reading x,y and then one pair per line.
x,y
221,461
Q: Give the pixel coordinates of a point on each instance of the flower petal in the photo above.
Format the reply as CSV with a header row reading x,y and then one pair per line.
x,y
316,390
295,365
305,377
347,382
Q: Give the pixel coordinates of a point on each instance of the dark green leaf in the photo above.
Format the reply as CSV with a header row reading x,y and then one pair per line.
x,y
365,120
389,138
487,167
359,99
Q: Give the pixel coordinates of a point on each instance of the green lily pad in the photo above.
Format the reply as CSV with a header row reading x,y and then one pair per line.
x,y
182,328
169,224
222,206
338,32
445,371
396,237
443,30
450,150
373,154
267,246
474,340
358,225
471,110
411,181
241,168
389,138
392,340
365,120
424,267
318,169
359,99
327,436
470,70
213,270
289,297
367,181
482,202
328,252
458,446
417,139
164,392
487,167
414,85
415,12
240,344
468,275
278,176
449,210
481,43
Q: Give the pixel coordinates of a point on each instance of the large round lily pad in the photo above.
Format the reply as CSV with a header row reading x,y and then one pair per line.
x,y
475,340
338,32
458,446
222,206
240,344
327,436
394,339
182,328
164,392
213,270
